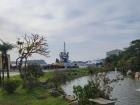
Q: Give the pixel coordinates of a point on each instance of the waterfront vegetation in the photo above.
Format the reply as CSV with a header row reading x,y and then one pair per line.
x,y
34,87
30,44
128,59
30,97
99,86
89,91
40,95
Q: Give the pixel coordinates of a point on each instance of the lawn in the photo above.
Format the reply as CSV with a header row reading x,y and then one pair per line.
x,y
22,97
32,97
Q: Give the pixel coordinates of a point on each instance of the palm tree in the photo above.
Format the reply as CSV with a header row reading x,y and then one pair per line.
x,y
4,48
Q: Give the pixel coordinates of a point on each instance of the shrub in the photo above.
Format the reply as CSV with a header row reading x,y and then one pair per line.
x,y
98,87
33,71
91,90
59,78
94,70
31,74
10,86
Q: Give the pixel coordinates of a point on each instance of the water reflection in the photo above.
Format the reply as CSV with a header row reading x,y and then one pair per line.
x,y
125,91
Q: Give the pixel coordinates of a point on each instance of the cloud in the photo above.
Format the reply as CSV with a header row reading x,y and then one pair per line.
x,y
90,27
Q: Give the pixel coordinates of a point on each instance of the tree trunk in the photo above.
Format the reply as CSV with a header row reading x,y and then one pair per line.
x,y
3,67
22,72
0,78
20,68
25,62
25,80
7,66
1,73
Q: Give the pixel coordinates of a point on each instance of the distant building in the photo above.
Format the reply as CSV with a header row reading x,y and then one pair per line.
x,y
96,63
81,64
113,52
90,63
38,62
64,56
42,63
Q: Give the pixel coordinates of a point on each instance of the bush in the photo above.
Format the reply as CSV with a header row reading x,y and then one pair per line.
x,y
94,70
59,78
10,86
33,71
98,87
31,74
91,90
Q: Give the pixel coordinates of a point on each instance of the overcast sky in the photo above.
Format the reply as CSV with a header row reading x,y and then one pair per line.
x,y
89,27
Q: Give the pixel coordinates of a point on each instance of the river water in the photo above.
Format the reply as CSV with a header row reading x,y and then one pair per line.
x,y
127,91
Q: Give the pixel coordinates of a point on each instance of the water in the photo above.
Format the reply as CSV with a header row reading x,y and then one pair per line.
x,y
127,91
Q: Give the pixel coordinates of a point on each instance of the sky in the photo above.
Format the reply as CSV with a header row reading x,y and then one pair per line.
x,y
90,28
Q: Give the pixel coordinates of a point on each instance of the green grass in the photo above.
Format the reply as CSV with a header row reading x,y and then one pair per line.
x,y
70,74
46,76
76,72
26,97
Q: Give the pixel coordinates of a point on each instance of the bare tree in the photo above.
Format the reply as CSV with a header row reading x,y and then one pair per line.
x,y
29,45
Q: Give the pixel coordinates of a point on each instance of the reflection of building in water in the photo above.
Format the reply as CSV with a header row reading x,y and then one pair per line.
x,y
64,56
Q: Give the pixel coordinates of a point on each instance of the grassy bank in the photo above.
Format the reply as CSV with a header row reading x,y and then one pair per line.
x,y
25,97
34,97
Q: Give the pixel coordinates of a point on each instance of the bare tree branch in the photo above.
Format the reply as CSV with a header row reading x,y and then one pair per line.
x,y
30,45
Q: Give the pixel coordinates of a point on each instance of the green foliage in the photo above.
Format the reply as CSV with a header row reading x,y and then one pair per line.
x,y
59,77
10,86
24,96
94,70
31,75
98,87
76,72
32,97
5,46
30,45
34,71
128,59
112,60
89,91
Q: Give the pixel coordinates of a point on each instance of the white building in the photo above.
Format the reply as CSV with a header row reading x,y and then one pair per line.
x,y
113,52
81,64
